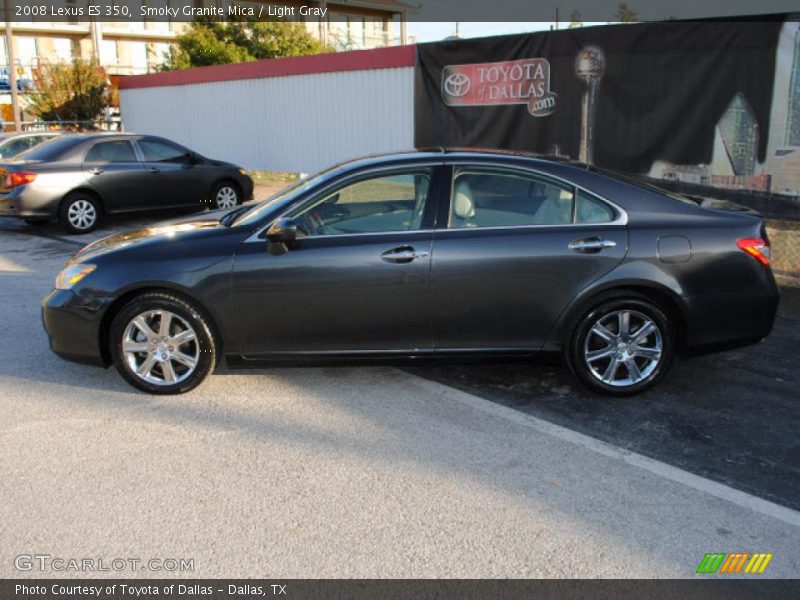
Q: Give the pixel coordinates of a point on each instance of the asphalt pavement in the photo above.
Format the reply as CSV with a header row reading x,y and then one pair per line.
x,y
373,471
731,416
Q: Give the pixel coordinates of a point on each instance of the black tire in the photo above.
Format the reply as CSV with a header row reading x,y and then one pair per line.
x,y
584,343
69,213
37,222
226,194
205,350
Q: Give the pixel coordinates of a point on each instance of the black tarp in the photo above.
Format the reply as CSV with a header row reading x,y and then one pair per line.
x,y
663,91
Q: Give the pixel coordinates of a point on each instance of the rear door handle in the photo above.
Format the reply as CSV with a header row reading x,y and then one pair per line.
x,y
403,254
153,170
96,171
590,245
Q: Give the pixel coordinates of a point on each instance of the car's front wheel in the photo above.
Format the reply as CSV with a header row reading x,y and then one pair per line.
x,y
162,344
79,213
226,195
624,345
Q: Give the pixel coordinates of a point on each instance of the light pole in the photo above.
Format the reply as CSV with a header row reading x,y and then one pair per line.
x,y
590,65
12,70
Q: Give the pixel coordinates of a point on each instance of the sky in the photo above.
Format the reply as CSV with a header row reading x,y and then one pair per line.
x,y
432,32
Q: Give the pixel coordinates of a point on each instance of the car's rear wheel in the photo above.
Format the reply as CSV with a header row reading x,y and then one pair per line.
x,y
226,195
624,345
79,213
162,344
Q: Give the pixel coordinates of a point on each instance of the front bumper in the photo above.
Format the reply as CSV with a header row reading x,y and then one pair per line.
x,y
73,328
248,187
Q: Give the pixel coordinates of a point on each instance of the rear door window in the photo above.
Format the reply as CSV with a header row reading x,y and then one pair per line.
x,y
116,151
485,198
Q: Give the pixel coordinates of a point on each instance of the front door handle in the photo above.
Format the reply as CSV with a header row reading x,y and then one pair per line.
x,y
591,245
403,254
153,170
96,171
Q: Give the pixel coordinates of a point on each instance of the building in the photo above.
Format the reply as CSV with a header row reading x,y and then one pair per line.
x,y
136,47
738,130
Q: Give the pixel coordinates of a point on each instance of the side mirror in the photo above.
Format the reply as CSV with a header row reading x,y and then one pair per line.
x,y
281,236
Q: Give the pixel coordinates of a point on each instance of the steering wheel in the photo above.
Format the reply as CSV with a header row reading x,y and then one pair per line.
x,y
315,224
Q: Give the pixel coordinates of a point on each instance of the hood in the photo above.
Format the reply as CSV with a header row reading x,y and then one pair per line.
x,y
183,228
222,163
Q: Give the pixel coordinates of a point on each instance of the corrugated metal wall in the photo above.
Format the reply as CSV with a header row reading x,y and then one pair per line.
x,y
298,123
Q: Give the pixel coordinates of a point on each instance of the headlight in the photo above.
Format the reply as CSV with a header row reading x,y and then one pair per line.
x,y
72,275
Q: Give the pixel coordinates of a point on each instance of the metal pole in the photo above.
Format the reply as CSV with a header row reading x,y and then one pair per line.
x,y
323,23
96,33
583,155
12,70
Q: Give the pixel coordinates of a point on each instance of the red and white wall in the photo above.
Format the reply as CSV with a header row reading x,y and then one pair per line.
x,y
291,114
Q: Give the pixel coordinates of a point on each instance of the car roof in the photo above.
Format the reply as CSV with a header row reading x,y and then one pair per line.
x,y
621,192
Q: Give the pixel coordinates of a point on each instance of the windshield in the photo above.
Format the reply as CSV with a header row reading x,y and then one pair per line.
x,y
50,150
282,198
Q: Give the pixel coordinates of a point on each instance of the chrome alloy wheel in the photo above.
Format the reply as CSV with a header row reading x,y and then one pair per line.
x,y
160,347
82,214
623,348
226,197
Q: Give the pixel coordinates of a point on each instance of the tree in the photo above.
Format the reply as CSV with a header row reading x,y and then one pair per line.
x,y
575,20
625,14
68,91
207,42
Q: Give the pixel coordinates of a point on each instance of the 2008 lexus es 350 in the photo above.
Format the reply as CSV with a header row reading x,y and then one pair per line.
x,y
426,254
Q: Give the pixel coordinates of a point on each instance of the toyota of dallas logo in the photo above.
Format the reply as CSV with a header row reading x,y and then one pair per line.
x,y
525,81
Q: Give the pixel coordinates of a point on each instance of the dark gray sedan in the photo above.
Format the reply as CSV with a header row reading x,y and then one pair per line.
x,y
79,179
454,255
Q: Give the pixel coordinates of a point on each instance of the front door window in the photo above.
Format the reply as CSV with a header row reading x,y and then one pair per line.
x,y
388,203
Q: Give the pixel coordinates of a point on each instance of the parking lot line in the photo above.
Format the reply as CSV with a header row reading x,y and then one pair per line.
x,y
713,488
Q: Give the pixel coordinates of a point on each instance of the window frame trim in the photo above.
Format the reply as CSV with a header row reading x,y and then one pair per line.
x,y
620,220
353,177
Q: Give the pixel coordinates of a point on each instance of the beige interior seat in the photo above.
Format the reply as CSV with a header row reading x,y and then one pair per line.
x,y
463,203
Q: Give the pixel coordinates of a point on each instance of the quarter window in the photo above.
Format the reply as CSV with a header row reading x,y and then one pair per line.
x,y
111,152
375,205
591,210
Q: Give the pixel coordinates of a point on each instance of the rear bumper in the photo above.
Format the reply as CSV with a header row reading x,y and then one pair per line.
x,y
14,205
73,329
726,320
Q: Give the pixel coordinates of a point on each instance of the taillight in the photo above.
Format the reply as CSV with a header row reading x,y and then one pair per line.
x,y
755,247
14,179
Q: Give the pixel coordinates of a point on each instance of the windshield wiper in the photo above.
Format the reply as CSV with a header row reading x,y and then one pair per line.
x,y
228,218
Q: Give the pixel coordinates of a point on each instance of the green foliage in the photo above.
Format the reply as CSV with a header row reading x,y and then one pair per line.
x,y
575,20
68,91
207,42
625,14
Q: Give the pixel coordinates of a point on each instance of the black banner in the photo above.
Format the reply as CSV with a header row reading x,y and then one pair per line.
x,y
371,589
82,11
693,100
